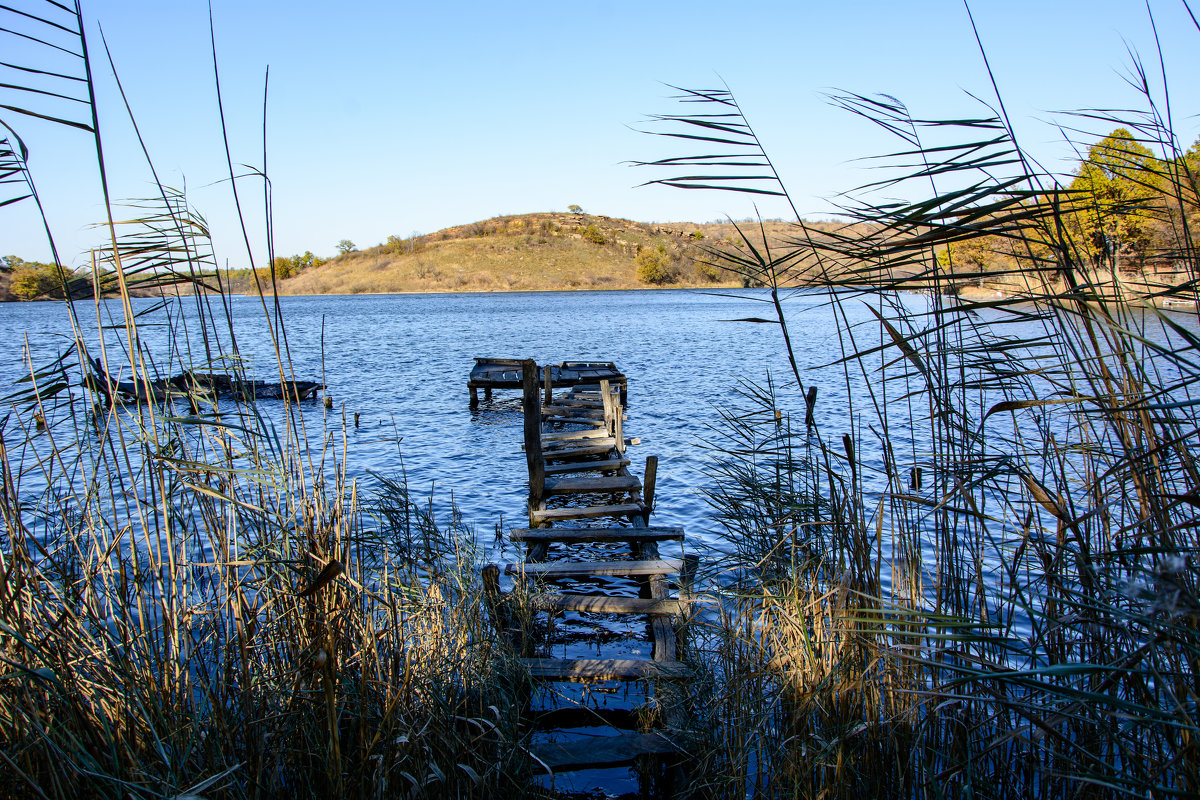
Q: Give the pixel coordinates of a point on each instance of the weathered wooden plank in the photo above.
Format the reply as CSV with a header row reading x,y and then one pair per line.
x,y
540,516
574,412
598,447
558,420
583,466
571,436
602,604
607,669
583,485
595,534
579,402
558,569
583,752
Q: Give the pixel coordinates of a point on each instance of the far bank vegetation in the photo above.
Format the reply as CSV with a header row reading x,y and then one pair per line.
x,y
1117,211
541,251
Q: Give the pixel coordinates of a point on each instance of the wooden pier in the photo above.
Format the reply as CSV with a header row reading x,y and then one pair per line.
x,y
193,385
505,373
582,494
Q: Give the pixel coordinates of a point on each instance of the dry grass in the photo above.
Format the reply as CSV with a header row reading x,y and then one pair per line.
x,y
531,252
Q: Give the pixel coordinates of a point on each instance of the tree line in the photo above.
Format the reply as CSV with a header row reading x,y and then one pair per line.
x,y
1126,210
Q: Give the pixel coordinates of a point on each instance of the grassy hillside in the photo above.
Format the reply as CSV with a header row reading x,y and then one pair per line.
x,y
529,252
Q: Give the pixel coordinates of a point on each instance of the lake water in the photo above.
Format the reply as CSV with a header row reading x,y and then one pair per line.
x,y
401,363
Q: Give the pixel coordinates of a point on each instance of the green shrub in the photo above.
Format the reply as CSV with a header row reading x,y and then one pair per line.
x,y
707,272
594,235
654,266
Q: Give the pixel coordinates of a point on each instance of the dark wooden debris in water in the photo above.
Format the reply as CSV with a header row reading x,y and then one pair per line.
x,y
198,385
505,373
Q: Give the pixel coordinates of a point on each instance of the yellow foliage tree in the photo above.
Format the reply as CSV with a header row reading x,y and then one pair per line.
x,y
1112,198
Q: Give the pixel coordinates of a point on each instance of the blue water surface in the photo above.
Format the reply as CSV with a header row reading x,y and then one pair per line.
x,y
401,362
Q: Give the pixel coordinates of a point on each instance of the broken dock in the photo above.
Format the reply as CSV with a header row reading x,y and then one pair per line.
x,y
505,373
195,385
584,499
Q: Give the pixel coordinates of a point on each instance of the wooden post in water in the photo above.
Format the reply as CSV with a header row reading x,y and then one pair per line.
x,y
810,401
606,400
687,576
648,485
619,427
501,614
548,385
491,585
532,406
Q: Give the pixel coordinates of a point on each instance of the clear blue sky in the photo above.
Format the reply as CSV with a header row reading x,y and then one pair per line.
x,y
391,117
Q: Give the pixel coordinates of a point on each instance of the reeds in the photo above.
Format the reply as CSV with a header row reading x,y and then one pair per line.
x,y
987,586
194,600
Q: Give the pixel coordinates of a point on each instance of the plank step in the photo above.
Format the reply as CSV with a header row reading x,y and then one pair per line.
x,y
573,411
657,534
549,439
595,447
569,420
582,466
585,484
587,512
602,604
604,669
562,569
577,402
589,752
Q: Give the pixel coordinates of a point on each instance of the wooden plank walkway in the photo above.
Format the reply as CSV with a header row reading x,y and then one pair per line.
x,y
588,460
505,373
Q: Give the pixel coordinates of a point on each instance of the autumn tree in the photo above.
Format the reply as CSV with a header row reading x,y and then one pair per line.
x,y
291,266
1112,199
32,279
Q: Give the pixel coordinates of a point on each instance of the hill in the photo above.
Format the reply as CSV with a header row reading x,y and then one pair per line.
x,y
540,251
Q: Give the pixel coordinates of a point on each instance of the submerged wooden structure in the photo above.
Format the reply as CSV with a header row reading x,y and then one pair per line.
x,y
505,373
582,494
194,384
